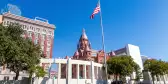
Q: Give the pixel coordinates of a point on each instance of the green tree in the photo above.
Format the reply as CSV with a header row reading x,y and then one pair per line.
x,y
4,45
156,67
166,66
17,52
138,73
37,70
121,66
40,72
11,50
33,59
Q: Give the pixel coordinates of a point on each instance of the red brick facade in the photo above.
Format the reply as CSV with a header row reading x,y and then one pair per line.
x,y
84,52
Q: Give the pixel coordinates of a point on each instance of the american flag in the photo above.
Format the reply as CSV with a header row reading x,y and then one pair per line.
x,y
96,10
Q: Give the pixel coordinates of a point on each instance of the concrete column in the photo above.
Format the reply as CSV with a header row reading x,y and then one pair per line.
x,y
150,77
160,79
92,72
77,73
49,70
89,71
59,73
164,79
84,72
156,79
69,70
97,72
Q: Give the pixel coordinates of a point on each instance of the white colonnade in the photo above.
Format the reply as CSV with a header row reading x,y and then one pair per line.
x,y
91,72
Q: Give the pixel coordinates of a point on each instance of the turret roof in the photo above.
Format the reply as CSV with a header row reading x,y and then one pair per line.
x,y
84,36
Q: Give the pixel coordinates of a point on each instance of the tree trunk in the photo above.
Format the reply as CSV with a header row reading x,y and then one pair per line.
x,y
30,78
17,75
116,77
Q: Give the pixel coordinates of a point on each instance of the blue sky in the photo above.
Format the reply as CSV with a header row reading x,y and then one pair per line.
x,y
139,22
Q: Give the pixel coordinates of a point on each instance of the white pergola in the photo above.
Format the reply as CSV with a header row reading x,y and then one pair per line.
x,y
95,71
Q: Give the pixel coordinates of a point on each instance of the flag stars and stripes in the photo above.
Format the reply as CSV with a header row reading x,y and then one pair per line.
x,y
96,10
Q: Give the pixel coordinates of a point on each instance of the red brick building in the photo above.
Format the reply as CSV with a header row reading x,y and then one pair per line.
x,y
85,52
39,31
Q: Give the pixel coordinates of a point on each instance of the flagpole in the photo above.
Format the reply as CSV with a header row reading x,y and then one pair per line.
x,y
103,44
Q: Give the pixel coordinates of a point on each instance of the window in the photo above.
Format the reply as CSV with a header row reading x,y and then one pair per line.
x,y
49,37
27,27
6,78
48,53
8,23
50,32
39,35
36,35
24,78
24,26
44,36
4,22
30,34
16,23
30,27
14,78
48,42
37,29
49,47
44,30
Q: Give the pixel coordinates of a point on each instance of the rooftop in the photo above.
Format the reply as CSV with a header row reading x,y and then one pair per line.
x,y
33,21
